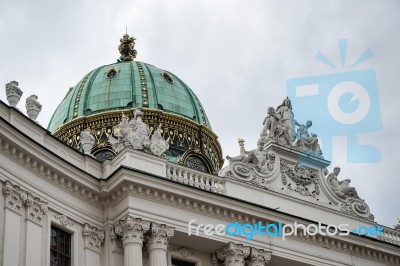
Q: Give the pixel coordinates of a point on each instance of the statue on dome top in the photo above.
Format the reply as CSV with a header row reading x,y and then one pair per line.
x,y
127,48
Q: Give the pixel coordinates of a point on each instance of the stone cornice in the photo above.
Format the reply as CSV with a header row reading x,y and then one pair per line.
x,y
75,184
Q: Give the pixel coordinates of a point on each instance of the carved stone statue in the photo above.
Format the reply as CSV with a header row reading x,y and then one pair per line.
x,y
33,107
341,188
270,123
284,111
139,136
136,134
279,125
87,140
257,157
397,226
13,93
158,144
307,142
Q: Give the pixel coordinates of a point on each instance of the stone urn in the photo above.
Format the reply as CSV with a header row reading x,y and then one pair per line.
x,y
33,107
13,93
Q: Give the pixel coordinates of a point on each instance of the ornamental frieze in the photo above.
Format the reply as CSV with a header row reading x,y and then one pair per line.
x,y
300,179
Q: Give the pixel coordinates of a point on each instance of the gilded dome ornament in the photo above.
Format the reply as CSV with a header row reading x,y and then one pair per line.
x,y
127,48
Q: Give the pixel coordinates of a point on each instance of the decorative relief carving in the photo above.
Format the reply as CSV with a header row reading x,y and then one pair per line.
x,y
15,198
300,179
196,163
35,208
93,237
357,207
64,221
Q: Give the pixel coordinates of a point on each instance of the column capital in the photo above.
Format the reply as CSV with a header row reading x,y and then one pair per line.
x,y
131,230
259,257
233,254
159,235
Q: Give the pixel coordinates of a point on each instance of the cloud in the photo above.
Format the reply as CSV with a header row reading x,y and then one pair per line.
x,y
236,56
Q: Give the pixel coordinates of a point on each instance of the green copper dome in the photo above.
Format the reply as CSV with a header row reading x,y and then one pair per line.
x,y
128,84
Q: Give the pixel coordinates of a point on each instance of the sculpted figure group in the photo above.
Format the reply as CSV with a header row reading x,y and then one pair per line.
x,y
136,134
279,126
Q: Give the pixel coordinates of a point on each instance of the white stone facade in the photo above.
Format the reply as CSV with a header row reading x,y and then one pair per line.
x,y
135,209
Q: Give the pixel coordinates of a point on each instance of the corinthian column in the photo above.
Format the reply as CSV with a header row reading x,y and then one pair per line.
x,y
158,243
131,230
233,254
259,257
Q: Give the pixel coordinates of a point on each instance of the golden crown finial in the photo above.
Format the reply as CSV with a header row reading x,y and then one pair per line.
x,y
127,48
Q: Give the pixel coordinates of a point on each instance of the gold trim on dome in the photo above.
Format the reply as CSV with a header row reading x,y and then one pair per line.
x,y
79,94
185,134
143,85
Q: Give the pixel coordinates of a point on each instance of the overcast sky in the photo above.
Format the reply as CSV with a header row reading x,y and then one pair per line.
x,y
235,55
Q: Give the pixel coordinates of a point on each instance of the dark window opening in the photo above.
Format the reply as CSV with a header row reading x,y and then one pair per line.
x,y
60,247
177,262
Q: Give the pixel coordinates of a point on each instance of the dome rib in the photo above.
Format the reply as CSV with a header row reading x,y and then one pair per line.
x,y
156,104
88,89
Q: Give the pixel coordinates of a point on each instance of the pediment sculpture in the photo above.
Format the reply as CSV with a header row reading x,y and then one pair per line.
x,y
350,201
137,135
255,165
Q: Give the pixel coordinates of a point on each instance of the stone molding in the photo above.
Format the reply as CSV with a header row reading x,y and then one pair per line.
x,y
93,237
131,230
159,236
16,198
